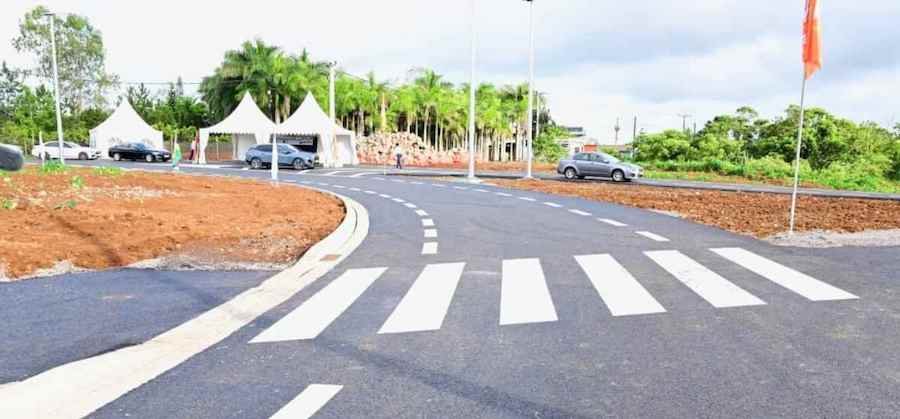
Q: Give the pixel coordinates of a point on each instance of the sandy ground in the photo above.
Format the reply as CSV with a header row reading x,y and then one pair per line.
x,y
755,214
88,219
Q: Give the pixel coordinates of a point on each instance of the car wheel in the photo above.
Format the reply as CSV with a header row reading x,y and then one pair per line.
x,y
618,176
117,157
47,156
298,164
82,156
256,163
149,158
570,173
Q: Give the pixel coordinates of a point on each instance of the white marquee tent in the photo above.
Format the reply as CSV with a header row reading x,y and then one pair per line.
x,y
123,126
246,123
310,119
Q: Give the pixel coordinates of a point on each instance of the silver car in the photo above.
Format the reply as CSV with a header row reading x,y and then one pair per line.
x,y
598,165
260,156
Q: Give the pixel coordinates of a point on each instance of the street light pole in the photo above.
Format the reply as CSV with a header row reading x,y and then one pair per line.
x,y
472,177
276,154
59,127
530,129
332,114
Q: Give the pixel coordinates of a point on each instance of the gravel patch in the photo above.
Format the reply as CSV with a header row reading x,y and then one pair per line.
x,y
824,239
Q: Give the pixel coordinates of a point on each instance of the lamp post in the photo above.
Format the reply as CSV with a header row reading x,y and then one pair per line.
x,y
331,111
59,127
276,153
530,129
471,177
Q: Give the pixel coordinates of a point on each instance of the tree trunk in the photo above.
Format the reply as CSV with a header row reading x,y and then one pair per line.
x,y
383,112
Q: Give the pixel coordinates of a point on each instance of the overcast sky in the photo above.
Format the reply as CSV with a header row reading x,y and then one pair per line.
x,y
596,59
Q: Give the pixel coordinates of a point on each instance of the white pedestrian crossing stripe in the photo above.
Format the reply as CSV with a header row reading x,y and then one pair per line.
x,y
707,284
425,305
308,402
623,295
802,284
525,291
524,297
314,315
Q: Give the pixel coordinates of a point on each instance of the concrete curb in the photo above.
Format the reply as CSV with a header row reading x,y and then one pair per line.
x,y
104,378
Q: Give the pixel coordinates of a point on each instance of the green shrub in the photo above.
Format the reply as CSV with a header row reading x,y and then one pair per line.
x,y
769,167
865,175
53,167
108,171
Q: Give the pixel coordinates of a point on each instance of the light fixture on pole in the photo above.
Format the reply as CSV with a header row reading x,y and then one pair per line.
x,y
59,127
471,177
530,129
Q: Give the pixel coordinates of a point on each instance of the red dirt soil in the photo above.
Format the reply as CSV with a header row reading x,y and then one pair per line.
x,y
756,214
119,219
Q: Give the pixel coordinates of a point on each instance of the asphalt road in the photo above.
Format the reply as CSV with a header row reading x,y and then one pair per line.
x,y
479,308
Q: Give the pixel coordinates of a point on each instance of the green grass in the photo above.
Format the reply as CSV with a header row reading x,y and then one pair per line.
x,y
108,171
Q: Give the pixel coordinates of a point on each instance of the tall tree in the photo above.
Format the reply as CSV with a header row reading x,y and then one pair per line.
x,y
81,58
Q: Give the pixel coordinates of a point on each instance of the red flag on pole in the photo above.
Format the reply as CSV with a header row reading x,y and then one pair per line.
x,y
812,43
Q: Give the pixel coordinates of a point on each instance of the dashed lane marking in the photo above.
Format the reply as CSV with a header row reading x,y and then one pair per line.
x,y
308,402
429,248
425,304
552,204
427,222
431,233
524,296
652,236
421,213
580,212
525,198
613,223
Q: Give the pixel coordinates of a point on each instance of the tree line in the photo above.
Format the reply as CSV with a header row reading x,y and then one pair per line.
x,y
835,150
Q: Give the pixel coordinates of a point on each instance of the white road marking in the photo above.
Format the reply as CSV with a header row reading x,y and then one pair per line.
x,y
525,198
398,200
340,187
580,212
398,181
429,248
504,194
355,189
707,284
438,185
371,192
416,183
652,236
308,402
798,282
552,204
482,190
360,174
622,294
306,182
410,205
524,296
316,313
421,213
431,233
460,188
322,184
386,196
613,223
378,178
426,303
427,222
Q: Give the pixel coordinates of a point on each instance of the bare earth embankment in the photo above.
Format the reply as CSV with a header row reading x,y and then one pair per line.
x,y
762,215
98,218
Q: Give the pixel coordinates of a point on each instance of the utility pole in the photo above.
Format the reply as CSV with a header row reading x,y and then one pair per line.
x,y
474,33
617,128
634,130
530,129
684,117
331,110
59,127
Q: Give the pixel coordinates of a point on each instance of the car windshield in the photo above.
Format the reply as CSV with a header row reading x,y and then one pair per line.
x,y
609,158
139,146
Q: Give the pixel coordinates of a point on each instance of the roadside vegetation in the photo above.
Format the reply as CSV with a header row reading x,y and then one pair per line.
x,y
837,153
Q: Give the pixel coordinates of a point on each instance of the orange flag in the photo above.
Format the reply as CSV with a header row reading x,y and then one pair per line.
x,y
812,43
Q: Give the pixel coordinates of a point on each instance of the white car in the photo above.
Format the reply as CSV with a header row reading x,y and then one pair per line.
x,y
71,151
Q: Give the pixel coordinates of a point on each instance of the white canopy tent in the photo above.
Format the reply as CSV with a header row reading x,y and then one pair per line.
x,y
336,145
124,126
246,123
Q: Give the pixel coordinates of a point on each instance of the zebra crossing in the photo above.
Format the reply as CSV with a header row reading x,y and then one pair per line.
x,y
525,297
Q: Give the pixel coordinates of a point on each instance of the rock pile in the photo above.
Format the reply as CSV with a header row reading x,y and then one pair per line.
x,y
378,148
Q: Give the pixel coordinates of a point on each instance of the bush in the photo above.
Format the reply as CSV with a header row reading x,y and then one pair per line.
x,y
769,167
865,175
53,167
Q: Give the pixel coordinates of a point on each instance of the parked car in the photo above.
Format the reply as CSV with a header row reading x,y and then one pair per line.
x,y
138,151
71,151
598,165
260,156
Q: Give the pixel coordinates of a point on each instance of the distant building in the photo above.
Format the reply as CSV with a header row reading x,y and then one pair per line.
x,y
576,131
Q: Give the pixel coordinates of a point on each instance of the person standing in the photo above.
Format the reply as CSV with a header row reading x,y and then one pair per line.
x,y
398,152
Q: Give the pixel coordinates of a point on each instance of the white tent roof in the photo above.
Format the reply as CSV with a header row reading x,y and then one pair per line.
x,y
245,119
126,124
310,119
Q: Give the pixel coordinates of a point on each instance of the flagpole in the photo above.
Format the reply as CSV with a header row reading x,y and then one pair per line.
x,y
797,158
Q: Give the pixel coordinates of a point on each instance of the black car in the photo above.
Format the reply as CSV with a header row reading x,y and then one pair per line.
x,y
138,151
